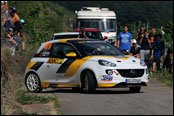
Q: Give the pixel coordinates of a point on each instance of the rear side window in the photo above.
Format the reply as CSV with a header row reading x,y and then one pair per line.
x,y
45,51
60,50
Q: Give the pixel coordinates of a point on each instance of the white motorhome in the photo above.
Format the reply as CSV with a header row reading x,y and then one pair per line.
x,y
102,19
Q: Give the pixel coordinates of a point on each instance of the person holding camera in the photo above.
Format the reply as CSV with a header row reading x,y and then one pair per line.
x,y
13,41
145,50
82,34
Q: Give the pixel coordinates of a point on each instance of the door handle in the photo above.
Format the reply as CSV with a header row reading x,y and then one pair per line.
x,y
48,65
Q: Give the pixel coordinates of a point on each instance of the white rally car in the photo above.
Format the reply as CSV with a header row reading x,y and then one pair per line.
x,y
83,64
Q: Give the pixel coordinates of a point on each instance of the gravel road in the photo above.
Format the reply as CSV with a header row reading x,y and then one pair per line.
x,y
156,99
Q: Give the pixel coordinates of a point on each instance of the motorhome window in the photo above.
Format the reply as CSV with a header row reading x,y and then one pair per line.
x,y
91,23
111,25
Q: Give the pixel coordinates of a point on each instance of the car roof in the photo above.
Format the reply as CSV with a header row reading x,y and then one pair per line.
x,y
66,33
71,40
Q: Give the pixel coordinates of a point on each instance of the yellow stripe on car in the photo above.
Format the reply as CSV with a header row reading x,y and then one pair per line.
x,y
67,85
31,64
75,66
65,40
45,84
104,56
106,85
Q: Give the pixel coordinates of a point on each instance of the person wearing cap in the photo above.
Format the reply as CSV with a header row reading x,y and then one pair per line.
x,y
13,16
13,41
135,49
157,48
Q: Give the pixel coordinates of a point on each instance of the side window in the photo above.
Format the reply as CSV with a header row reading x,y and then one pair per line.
x,y
60,50
44,51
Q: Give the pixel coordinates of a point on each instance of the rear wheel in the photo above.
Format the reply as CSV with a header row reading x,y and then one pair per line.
x,y
135,89
32,83
89,82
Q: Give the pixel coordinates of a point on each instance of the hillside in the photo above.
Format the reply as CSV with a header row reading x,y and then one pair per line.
x,y
42,20
157,13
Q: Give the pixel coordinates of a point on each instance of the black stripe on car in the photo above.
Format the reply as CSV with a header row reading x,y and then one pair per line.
x,y
37,66
63,68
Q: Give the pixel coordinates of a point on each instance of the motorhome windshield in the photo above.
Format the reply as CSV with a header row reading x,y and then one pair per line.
x,y
108,25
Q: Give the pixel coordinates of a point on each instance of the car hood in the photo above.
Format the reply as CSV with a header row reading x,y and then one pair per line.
x,y
122,62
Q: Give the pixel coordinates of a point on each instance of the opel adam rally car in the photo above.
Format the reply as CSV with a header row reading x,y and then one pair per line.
x,y
83,64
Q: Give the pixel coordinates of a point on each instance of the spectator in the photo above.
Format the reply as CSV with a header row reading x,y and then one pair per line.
x,y
11,22
145,51
7,16
135,49
153,35
13,41
167,62
82,34
18,30
124,41
157,48
4,6
141,30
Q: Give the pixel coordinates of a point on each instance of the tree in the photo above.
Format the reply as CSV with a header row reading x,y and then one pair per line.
x,y
168,33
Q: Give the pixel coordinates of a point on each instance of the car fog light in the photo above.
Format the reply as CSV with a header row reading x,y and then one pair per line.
x,y
109,72
147,71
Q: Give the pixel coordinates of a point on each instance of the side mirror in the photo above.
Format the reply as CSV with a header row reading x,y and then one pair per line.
x,y
105,37
71,54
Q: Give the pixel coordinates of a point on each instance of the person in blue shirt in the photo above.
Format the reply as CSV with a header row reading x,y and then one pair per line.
x,y
157,48
124,41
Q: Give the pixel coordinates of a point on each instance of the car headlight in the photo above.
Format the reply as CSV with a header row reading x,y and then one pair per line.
x,y
106,63
142,63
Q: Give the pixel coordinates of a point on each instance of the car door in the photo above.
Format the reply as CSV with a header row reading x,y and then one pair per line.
x,y
59,63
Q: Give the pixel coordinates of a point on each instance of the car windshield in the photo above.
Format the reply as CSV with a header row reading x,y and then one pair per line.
x,y
90,48
94,35
65,36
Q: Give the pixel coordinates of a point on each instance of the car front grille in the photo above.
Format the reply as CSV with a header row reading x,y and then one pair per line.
x,y
131,73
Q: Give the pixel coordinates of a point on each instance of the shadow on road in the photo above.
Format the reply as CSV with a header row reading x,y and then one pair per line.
x,y
98,91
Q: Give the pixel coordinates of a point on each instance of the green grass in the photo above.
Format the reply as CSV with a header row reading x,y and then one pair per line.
x,y
23,113
24,97
164,76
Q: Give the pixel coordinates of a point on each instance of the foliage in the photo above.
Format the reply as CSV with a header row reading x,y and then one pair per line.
x,y
24,97
156,13
164,76
42,19
168,32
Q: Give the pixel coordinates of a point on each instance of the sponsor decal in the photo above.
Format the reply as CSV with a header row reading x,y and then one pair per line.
x,y
106,78
55,61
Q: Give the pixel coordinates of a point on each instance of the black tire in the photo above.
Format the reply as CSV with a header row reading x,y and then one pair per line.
x,y
34,82
135,89
89,82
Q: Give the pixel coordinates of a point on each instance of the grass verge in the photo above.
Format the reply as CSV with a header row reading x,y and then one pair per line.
x,y
26,98
164,77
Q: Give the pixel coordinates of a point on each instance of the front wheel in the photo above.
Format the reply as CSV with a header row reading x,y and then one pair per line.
x,y
32,83
89,82
135,89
